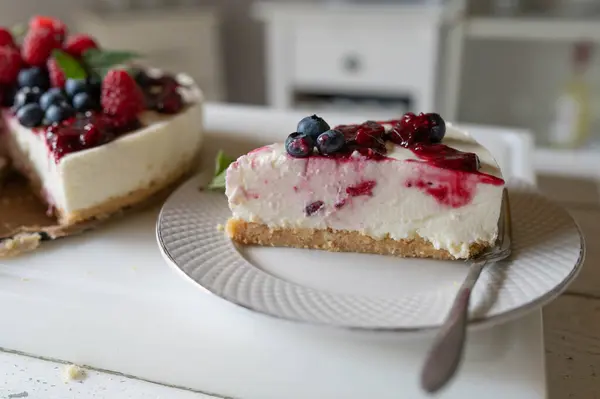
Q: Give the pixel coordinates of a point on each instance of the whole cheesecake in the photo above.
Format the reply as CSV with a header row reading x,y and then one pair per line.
x,y
413,187
98,143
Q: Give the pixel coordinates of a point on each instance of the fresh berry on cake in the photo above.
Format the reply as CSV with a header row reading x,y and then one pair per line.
x,y
413,187
91,133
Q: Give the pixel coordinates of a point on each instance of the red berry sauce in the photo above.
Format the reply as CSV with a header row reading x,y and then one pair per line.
x,y
452,183
85,131
161,94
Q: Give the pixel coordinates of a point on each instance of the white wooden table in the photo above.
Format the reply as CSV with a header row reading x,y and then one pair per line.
x,y
572,341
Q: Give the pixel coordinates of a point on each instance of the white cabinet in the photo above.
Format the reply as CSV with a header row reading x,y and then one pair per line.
x,y
179,40
387,53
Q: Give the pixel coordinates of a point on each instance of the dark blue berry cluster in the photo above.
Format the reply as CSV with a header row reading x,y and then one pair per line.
x,y
312,132
36,104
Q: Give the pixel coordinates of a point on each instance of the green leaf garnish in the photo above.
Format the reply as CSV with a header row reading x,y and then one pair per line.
x,y
221,164
101,59
71,67
18,31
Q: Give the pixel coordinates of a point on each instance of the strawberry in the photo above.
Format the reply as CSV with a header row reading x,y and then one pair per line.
x,y
10,64
121,96
76,45
54,25
37,46
6,38
57,76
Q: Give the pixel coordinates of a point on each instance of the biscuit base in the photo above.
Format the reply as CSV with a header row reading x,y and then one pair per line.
x,y
338,241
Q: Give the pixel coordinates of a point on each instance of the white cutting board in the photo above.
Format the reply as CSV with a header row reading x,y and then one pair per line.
x,y
108,300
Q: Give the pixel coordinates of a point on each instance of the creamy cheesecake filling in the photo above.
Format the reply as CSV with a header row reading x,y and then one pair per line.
x,y
399,197
85,179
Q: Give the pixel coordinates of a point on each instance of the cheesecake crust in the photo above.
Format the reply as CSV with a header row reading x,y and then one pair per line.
x,y
251,233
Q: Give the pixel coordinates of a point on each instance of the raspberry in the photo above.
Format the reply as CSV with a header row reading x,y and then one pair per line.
x,y
54,25
121,96
10,64
76,45
37,46
6,38
57,76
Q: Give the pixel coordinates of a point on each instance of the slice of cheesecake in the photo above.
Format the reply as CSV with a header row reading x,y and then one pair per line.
x,y
412,187
86,167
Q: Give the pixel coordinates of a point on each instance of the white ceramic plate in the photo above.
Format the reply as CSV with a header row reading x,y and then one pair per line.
x,y
369,291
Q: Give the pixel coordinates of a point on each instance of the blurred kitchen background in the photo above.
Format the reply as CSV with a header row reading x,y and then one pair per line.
x,y
529,64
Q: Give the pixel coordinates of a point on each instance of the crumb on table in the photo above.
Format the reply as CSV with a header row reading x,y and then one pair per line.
x,y
72,372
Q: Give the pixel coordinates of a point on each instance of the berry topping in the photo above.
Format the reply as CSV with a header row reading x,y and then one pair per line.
x,y
56,26
76,45
74,86
411,129
7,95
27,95
121,96
369,134
59,112
38,44
330,142
30,115
169,102
299,145
84,102
56,74
437,128
33,77
10,64
141,77
312,126
6,38
94,86
52,96
313,208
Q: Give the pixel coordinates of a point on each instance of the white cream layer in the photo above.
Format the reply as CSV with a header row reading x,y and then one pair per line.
x,y
84,179
270,187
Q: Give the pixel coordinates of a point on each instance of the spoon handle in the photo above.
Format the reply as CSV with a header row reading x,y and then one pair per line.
x,y
446,353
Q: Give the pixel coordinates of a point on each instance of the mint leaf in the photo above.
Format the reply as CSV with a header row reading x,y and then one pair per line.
x,y
105,59
218,182
222,162
71,67
18,31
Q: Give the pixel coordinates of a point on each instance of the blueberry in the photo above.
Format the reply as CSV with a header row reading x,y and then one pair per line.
x,y
34,77
7,96
141,78
74,86
30,115
330,142
299,145
27,95
312,126
52,96
437,129
95,86
83,102
59,112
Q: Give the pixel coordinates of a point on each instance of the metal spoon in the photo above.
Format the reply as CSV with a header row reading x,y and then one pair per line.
x,y
445,355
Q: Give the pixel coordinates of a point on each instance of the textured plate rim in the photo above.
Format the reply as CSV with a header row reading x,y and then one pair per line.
x,y
474,323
